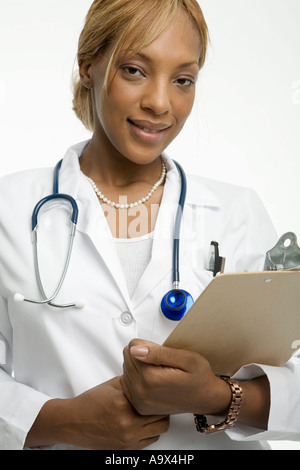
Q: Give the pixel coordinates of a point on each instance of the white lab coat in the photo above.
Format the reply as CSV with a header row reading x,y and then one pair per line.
x,y
61,353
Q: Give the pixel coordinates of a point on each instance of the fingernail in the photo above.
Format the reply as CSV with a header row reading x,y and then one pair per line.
x,y
139,351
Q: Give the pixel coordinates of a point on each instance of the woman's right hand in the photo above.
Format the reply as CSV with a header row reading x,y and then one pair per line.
x,y
99,419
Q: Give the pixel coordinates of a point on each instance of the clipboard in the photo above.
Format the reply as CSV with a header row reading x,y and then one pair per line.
x,y
243,318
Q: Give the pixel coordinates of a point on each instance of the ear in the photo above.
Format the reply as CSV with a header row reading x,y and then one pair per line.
x,y
86,74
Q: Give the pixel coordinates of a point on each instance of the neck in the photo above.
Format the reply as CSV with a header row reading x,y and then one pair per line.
x,y
120,179
113,169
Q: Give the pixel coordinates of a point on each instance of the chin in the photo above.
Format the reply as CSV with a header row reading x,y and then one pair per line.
x,y
143,156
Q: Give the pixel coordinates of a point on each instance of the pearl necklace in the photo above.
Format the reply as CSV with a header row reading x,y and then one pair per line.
x,y
134,204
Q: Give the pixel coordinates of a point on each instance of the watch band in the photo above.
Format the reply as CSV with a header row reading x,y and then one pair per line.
x,y
232,415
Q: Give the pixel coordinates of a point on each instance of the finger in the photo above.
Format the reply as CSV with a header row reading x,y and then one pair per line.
x,y
130,368
115,383
130,375
129,363
133,368
151,418
126,387
152,353
143,443
157,427
147,442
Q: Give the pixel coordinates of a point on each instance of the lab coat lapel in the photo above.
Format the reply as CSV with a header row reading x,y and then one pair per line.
x,y
161,258
91,220
94,225
199,199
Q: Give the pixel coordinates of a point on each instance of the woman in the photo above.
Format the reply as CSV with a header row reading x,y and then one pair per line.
x,y
62,382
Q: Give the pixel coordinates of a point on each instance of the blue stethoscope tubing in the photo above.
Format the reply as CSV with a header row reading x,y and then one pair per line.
x,y
177,302
174,304
34,223
56,195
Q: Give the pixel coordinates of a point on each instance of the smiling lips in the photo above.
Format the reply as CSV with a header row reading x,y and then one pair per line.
x,y
148,131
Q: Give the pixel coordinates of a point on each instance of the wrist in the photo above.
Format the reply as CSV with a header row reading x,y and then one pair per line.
x,y
231,414
218,399
49,428
222,398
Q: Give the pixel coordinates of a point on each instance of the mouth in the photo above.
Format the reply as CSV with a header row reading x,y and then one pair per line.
x,y
148,132
150,127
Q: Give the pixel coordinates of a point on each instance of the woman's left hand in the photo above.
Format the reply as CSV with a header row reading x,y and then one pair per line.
x,y
161,380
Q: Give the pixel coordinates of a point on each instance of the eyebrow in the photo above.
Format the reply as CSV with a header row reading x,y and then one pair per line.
x,y
185,64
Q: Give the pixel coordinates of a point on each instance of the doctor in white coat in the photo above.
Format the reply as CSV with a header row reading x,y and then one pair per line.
x,y
61,376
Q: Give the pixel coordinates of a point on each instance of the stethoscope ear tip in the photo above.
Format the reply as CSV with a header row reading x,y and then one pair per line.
x,y
80,304
18,298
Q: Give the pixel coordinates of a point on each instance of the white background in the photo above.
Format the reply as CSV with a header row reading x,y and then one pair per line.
x,y
245,125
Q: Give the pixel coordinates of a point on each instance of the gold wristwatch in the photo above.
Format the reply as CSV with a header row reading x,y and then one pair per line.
x,y
233,411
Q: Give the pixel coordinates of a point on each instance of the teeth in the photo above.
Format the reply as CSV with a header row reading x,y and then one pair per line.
x,y
149,131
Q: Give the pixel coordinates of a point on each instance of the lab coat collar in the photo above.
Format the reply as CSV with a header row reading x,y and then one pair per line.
x,y
198,192
92,221
70,173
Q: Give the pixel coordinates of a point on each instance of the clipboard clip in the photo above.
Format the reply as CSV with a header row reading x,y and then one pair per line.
x,y
216,263
285,255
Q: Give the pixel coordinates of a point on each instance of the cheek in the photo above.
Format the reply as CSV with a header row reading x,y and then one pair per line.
x,y
185,105
112,113
115,108
182,109
107,113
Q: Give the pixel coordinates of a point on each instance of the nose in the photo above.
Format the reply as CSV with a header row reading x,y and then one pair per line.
x,y
157,97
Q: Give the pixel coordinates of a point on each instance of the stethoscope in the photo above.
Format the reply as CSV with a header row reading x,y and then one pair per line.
x,y
34,223
174,304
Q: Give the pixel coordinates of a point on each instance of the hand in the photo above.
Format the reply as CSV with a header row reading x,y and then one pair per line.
x,y
161,380
101,418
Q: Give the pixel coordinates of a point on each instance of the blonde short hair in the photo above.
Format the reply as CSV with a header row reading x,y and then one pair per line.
x,y
112,22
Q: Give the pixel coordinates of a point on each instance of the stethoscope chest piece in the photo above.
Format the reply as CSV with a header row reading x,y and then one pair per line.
x,y
175,304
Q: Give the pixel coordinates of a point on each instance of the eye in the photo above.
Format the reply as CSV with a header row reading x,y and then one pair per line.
x,y
133,71
185,82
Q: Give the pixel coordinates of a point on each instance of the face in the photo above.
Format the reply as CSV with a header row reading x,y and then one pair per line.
x,y
151,95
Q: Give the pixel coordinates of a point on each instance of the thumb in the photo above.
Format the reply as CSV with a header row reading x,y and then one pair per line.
x,y
152,353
